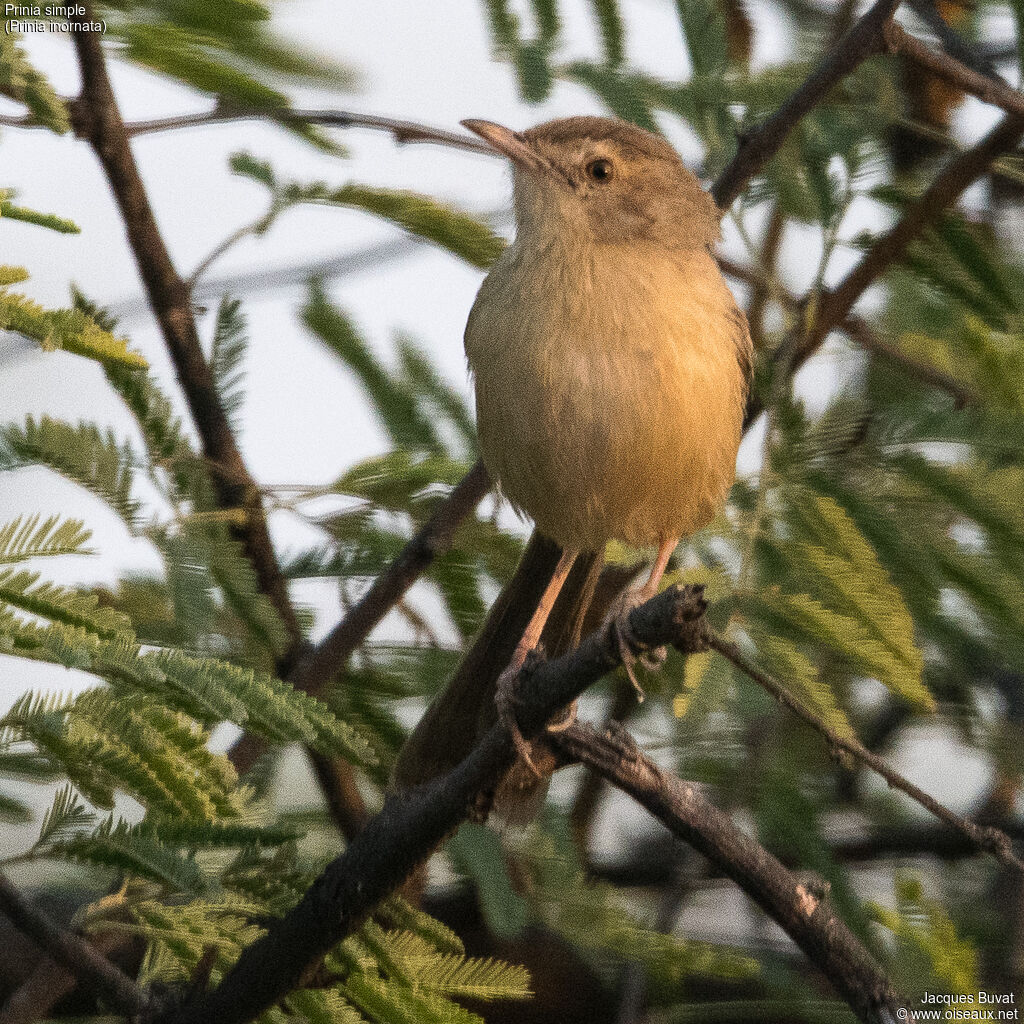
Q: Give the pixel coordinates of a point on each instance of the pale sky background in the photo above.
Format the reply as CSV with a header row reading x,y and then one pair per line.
x,y
304,420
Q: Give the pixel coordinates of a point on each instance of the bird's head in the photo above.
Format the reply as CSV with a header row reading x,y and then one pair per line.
x,y
604,179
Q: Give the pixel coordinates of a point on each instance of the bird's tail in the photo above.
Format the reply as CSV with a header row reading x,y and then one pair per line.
x,y
465,709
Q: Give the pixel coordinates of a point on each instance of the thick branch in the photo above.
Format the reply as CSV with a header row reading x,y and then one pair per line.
x,y
87,964
864,40
411,825
985,838
805,916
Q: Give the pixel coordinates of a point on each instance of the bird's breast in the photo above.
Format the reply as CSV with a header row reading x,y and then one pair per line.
x,y
609,389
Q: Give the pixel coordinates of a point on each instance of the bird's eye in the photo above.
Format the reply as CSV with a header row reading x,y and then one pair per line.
x,y
600,170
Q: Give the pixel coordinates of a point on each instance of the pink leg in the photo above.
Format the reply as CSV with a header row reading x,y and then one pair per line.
x,y
629,600
505,694
534,628
665,550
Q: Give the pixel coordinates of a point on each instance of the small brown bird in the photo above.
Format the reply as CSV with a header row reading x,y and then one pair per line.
x,y
609,357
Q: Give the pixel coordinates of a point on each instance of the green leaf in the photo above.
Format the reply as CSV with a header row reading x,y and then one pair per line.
x,y
925,929
704,33
95,460
786,663
424,381
42,220
609,20
477,852
208,835
26,537
250,167
395,481
12,275
392,400
67,329
228,355
626,95
21,82
13,811
457,976
122,848
66,816
22,589
843,568
446,226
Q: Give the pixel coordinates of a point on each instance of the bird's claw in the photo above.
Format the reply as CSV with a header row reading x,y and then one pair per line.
x,y
631,649
505,699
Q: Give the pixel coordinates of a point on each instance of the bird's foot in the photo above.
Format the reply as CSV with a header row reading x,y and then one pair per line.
x,y
631,650
506,698
568,718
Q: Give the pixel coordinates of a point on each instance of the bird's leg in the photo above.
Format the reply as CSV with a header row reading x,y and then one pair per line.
x,y
619,615
505,696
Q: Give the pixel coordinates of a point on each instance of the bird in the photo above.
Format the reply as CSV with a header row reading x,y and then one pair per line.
x,y
610,361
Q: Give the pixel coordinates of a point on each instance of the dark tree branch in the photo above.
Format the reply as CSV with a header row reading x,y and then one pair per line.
x,y
87,964
987,838
410,826
864,40
96,119
805,916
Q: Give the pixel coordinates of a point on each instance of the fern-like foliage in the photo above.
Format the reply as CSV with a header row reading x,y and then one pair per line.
x,y
33,537
929,940
67,329
227,355
593,918
466,237
24,84
83,453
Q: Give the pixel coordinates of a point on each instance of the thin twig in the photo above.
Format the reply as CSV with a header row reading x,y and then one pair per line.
x,y
988,89
805,915
222,247
986,838
402,131
87,964
864,40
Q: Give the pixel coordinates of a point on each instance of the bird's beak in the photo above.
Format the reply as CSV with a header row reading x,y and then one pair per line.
x,y
510,144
